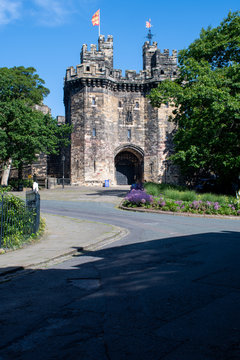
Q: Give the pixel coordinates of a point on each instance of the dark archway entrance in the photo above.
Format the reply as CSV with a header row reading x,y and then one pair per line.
x,y
128,167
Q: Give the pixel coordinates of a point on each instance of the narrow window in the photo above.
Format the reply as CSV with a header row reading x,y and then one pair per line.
x,y
119,104
137,105
87,68
93,101
94,132
129,134
162,72
94,166
151,168
129,117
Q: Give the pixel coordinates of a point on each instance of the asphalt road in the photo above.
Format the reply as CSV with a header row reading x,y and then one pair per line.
x,y
169,290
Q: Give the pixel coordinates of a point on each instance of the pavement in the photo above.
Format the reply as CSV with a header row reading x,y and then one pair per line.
x,y
64,236
168,290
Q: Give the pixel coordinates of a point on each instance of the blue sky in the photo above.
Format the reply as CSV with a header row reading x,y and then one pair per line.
x,y
48,34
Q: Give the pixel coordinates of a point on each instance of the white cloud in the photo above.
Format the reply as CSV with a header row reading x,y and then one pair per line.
x,y
58,12
52,12
44,12
9,11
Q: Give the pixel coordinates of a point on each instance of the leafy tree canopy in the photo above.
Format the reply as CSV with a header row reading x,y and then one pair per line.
x,y
24,131
206,103
23,84
220,46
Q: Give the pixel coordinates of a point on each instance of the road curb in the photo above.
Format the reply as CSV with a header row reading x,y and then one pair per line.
x,y
179,214
101,242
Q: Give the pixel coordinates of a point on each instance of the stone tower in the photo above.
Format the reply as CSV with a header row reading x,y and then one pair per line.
x,y
117,135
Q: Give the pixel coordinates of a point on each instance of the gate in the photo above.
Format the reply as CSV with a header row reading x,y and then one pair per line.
x,y
125,174
128,168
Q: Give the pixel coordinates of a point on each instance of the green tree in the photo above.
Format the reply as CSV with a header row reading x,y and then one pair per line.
x,y
24,131
206,103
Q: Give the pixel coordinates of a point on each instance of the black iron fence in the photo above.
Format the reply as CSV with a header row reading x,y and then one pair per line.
x,y
19,220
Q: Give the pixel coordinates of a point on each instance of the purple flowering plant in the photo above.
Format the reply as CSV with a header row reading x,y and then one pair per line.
x,y
138,197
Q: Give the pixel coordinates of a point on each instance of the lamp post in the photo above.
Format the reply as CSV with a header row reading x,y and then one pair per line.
x,y
63,159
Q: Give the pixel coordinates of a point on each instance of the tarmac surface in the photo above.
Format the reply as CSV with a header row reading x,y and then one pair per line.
x,y
106,284
64,236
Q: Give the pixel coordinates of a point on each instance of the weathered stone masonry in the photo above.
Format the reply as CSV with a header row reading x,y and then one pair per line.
x,y
117,135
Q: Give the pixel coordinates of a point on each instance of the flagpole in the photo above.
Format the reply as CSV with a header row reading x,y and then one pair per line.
x,y
99,32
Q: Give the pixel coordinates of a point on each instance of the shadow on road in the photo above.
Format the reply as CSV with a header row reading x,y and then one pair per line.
x,y
172,298
110,192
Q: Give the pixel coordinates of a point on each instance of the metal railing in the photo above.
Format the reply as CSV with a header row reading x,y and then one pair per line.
x,y
19,220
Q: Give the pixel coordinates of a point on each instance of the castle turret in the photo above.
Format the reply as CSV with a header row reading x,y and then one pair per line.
x,y
106,47
148,54
157,64
103,57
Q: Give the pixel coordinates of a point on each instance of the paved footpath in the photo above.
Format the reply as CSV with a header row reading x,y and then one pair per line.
x,y
64,236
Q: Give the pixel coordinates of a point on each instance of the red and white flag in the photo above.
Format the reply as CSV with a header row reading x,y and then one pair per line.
x,y
96,18
148,24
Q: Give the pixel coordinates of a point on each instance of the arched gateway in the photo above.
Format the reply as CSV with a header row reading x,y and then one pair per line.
x,y
128,165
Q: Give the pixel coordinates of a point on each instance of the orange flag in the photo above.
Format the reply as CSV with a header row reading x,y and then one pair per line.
x,y
96,18
148,24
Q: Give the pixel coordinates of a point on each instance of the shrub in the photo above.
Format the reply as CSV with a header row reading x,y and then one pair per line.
x,y
180,195
14,183
221,199
152,189
138,197
18,221
4,189
157,189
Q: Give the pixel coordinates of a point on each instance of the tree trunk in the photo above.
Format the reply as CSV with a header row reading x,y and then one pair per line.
x,y
20,171
6,173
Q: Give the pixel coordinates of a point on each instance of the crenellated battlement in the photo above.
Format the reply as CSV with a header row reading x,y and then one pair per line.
x,y
97,65
103,56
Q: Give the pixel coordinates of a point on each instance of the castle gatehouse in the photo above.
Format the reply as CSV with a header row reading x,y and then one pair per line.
x,y
117,135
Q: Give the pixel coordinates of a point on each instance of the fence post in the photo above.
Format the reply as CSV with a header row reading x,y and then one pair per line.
x,y
37,204
33,203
